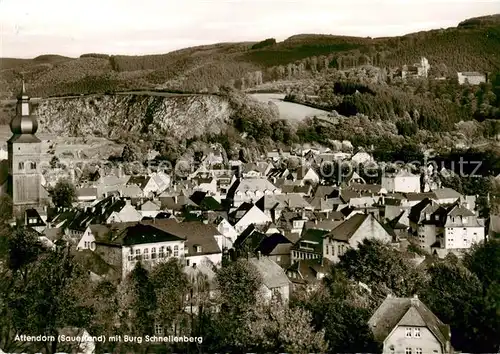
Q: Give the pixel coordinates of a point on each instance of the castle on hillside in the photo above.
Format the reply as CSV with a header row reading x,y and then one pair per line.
x,y
416,70
20,175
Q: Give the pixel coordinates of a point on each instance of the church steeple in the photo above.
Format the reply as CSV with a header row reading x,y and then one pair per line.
x,y
23,122
24,151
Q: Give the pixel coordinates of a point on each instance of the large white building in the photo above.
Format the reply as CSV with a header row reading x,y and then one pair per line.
x,y
402,181
443,229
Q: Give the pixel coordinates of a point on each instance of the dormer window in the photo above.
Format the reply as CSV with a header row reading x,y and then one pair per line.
x,y
198,248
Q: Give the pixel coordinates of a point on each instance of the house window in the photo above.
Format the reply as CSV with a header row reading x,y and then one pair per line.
x,y
416,332
137,255
146,254
153,253
21,165
408,332
408,351
418,351
162,252
33,165
158,329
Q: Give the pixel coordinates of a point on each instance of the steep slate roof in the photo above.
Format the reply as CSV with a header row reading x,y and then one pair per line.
x,y
308,269
344,231
143,233
195,233
250,237
416,210
315,238
272,274
396,311
140,181
446,193
274,244
33,213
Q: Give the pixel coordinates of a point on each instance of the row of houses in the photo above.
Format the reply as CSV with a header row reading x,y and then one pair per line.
x,y
286,221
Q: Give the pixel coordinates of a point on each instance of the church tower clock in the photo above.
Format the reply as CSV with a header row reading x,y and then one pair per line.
x,y
24,153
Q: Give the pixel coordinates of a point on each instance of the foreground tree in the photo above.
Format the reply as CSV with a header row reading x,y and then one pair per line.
x,y
276,328
238,283
139,302
48,297
105,314
171,286
63,194
381,267
5,208
455,295
341,309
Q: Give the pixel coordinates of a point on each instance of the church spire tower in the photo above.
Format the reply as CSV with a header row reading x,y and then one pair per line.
x,y
24,150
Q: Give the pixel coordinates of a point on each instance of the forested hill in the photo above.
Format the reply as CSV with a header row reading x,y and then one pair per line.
x,y
473,45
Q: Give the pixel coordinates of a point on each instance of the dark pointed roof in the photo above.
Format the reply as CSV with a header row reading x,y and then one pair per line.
x,y
406,312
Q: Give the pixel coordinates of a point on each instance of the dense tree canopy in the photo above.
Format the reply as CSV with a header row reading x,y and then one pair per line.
x,y
63,194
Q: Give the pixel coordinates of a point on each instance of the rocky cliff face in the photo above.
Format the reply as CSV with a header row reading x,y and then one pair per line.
x,y
152,117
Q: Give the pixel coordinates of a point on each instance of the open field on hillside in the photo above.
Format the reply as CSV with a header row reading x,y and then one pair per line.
x,y
292,112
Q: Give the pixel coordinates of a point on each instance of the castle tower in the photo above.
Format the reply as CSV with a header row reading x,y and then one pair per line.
x,y
424,64
24,151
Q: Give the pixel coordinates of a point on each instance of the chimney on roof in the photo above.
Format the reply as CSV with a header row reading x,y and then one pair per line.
x,y
414,300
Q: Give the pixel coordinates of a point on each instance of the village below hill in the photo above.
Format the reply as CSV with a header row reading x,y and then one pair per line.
x,y
317,195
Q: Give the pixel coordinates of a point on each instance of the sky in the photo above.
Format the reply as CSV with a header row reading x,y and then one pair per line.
x,y
29,28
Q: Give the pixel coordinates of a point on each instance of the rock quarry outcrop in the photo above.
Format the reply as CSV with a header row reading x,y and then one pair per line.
x,y
179,116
